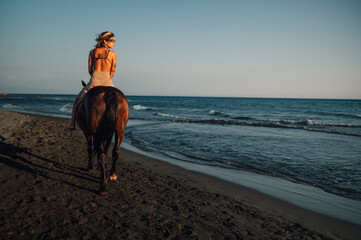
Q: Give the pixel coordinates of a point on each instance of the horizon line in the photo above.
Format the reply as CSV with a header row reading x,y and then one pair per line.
x,y
148,95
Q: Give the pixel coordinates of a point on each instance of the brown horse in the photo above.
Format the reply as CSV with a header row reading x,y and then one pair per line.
x,y
103,112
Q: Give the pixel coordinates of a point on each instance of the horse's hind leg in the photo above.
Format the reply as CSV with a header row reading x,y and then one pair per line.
x,y
116,152
104,180
89,140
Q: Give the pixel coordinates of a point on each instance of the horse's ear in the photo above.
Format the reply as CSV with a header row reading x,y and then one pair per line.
x,y
83,83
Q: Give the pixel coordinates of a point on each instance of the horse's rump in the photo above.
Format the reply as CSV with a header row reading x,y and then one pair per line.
x,y
100,106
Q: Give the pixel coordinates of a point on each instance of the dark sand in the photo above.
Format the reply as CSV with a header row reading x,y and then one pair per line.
x,y
47,194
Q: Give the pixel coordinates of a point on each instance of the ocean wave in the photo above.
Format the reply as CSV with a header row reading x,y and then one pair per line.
x,y
285,121
221,114
54,98
217,113
167,115
311,122
214,112
142,108
242,118
346,115
62,98
49,98
257,123
66,108
333,131
12,106
10,97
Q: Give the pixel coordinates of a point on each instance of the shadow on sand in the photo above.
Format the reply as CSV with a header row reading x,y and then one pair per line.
x,y
22,159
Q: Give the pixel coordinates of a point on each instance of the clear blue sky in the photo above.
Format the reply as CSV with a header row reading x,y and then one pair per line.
x,y
279,48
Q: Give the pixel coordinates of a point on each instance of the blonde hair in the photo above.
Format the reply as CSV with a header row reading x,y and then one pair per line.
x,y
103,36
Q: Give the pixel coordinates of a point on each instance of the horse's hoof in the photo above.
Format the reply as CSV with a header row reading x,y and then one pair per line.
x,y
113,177
103,189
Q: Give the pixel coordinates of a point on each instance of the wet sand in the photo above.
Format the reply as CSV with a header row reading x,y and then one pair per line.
x,y
46,193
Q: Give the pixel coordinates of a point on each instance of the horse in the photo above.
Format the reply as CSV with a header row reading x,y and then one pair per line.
x,y
103,112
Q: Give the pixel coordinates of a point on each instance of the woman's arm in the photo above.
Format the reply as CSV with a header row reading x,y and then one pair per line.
x,y
90,62
114,65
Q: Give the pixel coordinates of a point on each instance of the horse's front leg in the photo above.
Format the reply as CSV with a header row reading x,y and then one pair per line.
x,y
102,165
116,152
89,140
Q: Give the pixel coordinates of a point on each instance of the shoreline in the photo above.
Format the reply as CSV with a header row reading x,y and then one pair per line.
x,y
301,195
44,164
244,194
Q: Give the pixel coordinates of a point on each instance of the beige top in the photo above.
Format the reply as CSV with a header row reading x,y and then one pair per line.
x,y
99,79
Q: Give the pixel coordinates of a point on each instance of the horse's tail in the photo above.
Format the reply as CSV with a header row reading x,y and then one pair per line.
x,y
106,127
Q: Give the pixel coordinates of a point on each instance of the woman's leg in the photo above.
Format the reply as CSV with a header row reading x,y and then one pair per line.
x,y
75,108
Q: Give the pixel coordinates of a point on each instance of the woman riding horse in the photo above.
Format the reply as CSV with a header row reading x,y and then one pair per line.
x,y
102,64
101,110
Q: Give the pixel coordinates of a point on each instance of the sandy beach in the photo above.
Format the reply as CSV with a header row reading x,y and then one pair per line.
x,y
46,193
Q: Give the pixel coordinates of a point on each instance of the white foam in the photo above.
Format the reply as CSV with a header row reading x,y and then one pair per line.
x,y
67,108
277,121
214,112
12,106
59,98
310,122
167,115
141,108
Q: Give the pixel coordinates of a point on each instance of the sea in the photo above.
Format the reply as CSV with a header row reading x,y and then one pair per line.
x,y
304,151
